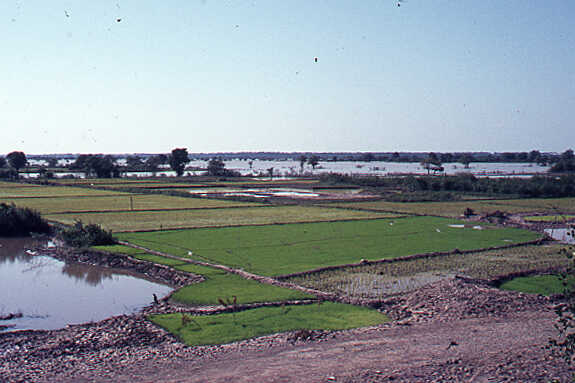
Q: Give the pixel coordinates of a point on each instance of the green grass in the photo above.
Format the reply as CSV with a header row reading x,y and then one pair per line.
x,y
123,202
231,327
162,220
7,192
549,218
283,249
218,283
538,284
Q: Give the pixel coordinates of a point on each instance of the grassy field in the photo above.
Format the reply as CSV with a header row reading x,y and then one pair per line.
x,y
10,191
456,209
282,249
538,284
161,220
549,218
230,327
379,280
218,284
120,202
183,182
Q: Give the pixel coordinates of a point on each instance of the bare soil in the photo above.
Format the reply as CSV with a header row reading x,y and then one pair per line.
x,y
456,330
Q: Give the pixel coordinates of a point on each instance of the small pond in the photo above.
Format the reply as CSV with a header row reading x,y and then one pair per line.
x,y
51,294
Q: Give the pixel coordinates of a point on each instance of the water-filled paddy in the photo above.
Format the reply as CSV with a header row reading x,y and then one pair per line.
x,y
51,294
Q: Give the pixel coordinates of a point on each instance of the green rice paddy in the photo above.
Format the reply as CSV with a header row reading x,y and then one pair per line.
x,y
217,285
231,327
539,284
283,249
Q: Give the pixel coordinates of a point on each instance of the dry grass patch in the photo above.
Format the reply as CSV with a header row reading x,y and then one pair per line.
x,y
162,220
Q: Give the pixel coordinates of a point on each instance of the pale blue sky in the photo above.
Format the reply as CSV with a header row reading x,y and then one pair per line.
x,y
431,75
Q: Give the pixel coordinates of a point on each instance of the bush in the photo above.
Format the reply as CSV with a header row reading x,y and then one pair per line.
x,y
536,186
16,221
81,235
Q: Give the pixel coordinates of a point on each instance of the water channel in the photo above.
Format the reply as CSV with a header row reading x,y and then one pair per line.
x,y
51,294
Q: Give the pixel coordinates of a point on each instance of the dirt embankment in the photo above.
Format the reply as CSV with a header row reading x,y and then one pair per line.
x,y
456,330
156,272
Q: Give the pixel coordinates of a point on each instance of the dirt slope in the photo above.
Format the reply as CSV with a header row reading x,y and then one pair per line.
x,y
451,331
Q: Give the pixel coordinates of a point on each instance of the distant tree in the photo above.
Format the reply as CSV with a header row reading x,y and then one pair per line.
x,y
432,163
465,159
42,171
52,162
566,163
302,160
534,156
446,157
134,162
395,157
178,160
2,162
271,173
367,157
96,164
313,160
567,155
153,162
17,160
216,167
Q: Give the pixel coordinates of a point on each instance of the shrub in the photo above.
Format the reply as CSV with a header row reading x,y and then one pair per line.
x,y
81,235
16,221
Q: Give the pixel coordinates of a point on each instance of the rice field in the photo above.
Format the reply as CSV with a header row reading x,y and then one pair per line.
x,y
178,219
282,249
377,281
127,202
217,284
10,191
555,218
456,209
540,284
230,327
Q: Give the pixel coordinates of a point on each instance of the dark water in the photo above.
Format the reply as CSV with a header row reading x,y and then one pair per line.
x,y
51,294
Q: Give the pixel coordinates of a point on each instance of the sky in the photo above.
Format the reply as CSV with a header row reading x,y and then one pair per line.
x,y
140,76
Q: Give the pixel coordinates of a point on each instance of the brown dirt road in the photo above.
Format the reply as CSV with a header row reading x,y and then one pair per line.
x,y
480,350
451,331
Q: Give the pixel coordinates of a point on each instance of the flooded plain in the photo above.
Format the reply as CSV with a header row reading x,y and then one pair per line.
x,y
46,293
290,168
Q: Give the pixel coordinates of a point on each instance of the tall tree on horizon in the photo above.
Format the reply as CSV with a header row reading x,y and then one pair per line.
x,y
17,160
178,160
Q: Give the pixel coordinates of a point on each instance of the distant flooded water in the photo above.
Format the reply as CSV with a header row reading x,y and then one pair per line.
x,y
51,294
291,168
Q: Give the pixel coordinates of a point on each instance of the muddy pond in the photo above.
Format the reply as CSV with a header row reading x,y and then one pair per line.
x,y
49,294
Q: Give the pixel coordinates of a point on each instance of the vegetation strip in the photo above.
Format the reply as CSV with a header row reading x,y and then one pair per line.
x,y
243,274
230,327
291,248
407,258
136,221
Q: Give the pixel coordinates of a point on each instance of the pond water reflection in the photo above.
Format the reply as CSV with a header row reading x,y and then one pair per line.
x,y
51,294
